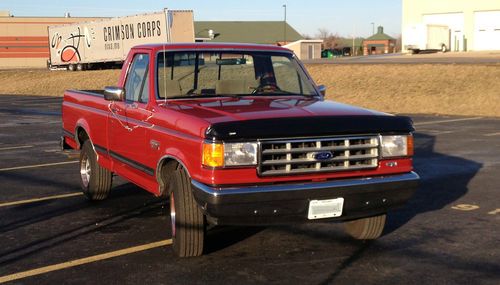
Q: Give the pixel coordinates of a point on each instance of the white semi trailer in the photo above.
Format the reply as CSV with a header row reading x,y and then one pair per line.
x,y
420,38
104,43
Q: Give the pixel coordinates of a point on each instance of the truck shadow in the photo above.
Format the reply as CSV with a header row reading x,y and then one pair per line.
x,y
126,202
443,180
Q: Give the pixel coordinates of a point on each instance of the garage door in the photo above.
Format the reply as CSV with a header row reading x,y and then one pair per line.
x,y
487,30
455,22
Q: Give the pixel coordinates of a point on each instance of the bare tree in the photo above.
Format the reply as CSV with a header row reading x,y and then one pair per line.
x,y
330,41
306,37
398,44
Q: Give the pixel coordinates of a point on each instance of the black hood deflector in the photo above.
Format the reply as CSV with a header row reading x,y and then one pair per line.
x,y
313,126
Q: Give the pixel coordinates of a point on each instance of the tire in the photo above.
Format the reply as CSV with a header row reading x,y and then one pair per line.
x,y
187,220
95,180
366,228
71,67
443,48
80,67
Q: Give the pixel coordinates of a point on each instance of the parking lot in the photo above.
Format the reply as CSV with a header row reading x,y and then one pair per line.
x,y
448,233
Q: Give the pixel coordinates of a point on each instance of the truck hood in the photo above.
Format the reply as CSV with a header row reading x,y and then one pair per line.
x,y
261,117
219,110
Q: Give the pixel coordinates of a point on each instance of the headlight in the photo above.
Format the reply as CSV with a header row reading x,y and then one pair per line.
x,y
229,154
240,154
394,146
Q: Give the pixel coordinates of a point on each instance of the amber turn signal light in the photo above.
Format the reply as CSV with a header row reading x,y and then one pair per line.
x,y
213,155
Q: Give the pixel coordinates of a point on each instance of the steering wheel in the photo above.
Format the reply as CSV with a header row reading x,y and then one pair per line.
x,y
266,88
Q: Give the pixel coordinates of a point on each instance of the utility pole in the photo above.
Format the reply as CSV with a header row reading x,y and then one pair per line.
x,y
284,26
353,39
373,28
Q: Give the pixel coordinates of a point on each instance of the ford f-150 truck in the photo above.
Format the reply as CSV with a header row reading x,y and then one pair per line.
x,y
238,134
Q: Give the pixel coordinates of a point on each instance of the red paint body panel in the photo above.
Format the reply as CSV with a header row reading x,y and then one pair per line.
x,y
179,127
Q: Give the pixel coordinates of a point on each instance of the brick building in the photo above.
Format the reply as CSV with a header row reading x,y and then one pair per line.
x,y
379,43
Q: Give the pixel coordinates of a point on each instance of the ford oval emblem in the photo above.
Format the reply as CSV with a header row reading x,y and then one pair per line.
x,y
324,155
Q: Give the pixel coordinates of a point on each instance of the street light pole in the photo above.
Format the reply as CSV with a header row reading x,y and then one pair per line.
x,y
373,28
284,27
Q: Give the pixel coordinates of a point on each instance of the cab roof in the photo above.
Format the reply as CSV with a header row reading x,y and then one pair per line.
x,y
212,46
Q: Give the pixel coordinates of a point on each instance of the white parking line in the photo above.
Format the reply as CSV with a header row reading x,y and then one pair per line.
x,y
15,147
81,261
447,121
14,203
38,165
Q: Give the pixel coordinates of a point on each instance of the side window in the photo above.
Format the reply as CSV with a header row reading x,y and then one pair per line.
x,y
136,87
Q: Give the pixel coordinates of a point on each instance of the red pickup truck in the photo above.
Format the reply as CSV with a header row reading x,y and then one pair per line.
x,y
238,134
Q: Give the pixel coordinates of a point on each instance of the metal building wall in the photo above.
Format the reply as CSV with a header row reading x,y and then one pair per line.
x,y
460,15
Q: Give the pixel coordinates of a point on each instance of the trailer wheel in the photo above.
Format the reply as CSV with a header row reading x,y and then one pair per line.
x,y
80,67
71,67
443,48
95,180
366,228
187,220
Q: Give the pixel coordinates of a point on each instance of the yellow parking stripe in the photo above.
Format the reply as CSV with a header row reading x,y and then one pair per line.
x,y
38,165
39,199
77,262
15,147
492,134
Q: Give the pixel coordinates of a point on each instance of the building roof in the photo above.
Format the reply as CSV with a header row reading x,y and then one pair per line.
x,y
380,36
262,32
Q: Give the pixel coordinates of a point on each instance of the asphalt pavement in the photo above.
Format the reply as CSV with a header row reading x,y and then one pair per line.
x,y
449,233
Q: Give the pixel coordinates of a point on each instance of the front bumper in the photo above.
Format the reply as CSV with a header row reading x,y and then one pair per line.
x,y
289,203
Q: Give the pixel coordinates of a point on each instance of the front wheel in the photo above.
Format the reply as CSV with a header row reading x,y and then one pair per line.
x,y
95,180
366,228
187,220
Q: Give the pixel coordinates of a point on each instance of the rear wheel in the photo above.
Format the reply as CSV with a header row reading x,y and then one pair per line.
x,y
80,67
95,180
443,48
366,228
187,220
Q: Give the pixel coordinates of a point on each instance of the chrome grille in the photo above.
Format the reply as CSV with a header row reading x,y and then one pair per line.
x,y
318,155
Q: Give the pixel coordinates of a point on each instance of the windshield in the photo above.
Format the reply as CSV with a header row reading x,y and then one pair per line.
x,y
191,74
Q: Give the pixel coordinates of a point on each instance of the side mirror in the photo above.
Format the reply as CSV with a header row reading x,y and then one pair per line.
x,y
322,90
112,93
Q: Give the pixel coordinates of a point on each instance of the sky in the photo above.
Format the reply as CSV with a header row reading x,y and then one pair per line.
x,y
343,17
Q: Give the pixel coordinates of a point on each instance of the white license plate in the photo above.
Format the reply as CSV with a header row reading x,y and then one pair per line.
x,y
320,209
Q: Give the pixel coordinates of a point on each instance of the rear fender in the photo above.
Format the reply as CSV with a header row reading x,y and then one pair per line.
x,y
82,127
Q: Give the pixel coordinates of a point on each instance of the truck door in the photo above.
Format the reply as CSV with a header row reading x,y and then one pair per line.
x,y
129,121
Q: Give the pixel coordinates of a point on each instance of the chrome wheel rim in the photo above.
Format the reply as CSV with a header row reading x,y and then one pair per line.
x,y
85,171
172,213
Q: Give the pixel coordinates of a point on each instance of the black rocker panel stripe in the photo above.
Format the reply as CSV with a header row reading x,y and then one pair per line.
x,y
132,163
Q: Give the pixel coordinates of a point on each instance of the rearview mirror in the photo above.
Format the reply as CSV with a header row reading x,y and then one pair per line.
x,y
112,93
322,90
